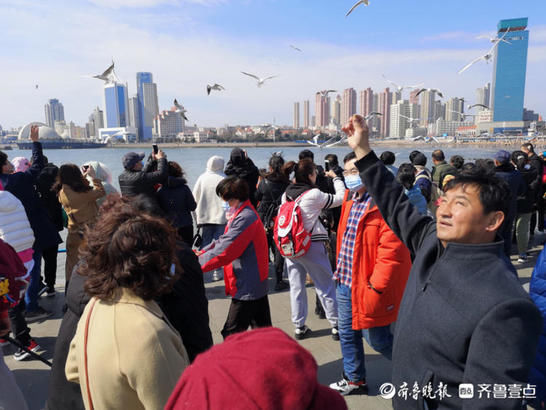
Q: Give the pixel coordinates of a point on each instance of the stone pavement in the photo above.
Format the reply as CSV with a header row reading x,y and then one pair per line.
x,y
33,376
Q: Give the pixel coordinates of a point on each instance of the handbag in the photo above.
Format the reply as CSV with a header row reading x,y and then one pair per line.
x,y
197,240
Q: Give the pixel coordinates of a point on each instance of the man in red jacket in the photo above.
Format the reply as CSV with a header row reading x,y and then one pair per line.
x,y
372,270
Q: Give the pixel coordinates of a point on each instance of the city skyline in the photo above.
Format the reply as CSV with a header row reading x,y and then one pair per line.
x,y
185,57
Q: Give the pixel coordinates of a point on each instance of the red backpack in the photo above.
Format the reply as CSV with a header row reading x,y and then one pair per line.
x,y
289,234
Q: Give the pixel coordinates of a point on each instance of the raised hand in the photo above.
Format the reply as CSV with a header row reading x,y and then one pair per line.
x,y
34,135
90,171
357,133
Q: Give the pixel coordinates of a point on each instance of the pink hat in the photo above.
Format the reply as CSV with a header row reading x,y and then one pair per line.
x,y
20,164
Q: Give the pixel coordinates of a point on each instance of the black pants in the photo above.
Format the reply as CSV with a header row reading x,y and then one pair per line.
x,y
50,265
186,234
245,313
19,327
278,260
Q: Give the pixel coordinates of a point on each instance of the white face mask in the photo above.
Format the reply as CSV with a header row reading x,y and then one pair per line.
x,y
225,206
353,182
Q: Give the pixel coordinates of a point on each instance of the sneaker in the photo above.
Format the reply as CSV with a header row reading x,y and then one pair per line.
x,y
43,289
4,342
38,314
335,333
21,354
301,332
522,258
346,387
282,285
50,292
216,276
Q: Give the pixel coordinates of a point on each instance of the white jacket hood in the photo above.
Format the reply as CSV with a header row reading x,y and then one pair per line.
x,y
8,202
216,164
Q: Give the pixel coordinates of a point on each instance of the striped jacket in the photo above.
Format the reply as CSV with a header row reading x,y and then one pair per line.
x,y
243,251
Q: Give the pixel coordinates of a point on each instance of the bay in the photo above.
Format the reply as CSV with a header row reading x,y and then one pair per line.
x,y
193,160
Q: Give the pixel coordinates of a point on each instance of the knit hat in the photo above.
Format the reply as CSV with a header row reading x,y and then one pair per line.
x,y
260,369
20,164
131,158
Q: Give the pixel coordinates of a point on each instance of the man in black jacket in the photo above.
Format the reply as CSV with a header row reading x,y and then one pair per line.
x,y
139,179
536,186
464,316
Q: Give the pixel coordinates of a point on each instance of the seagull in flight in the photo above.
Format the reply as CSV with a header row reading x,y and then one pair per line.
x,y
410,119
108,75
487,56
478,105
435,90
358,3
315,141
325,93
492,38
296,48
400,88
261,81
180,109
371,115
216,87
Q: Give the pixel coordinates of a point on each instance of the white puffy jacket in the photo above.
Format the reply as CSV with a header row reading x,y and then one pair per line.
x,y
14,226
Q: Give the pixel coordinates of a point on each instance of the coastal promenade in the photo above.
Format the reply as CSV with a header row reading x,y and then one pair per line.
x,y
33,376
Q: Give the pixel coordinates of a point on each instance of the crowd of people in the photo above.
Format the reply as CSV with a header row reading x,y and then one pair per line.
x,y
416,261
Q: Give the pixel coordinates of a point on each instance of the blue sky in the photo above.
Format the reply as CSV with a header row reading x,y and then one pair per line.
x,y
189,43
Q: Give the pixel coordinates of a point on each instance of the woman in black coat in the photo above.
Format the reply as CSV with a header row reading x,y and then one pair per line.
x,y
177,202
241,166
270,189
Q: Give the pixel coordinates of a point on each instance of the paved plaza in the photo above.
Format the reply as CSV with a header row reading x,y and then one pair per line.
x,y
33,376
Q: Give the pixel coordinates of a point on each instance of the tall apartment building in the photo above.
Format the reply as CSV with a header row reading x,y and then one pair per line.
x,y
454,109
169,124
336,110
322,110
483,96
306,114
384,108
148,107
348,105
366,102
428,107
398,121
296,115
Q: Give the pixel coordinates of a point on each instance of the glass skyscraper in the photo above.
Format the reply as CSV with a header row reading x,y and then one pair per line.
x,y
116,106
147,105
509,71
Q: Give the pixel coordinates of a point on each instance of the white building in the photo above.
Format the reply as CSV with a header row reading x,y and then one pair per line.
x,y
442,127
168,124
399,123
484,116
454,109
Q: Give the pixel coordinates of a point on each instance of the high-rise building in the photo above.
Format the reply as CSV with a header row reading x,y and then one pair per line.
x,y
385,109
322,110
134,118
413,97
509,70
54,111
366,102
428,106
116,105
396,96
454,109
96,121
336,111
483,96
169,124
306,114
439,110
296,115
147,104
348,105
398,122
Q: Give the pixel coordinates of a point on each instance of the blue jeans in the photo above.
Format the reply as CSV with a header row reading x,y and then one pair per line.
x,y
352,348
31,295
211,232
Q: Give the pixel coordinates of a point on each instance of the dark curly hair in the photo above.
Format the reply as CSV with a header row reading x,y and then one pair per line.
x,y
70,174
130,249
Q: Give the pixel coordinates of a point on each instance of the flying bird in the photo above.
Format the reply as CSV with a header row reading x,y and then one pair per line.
x,y
315,141
296,48
108,75
325,93
492,38
180,109
216,87
487,56
410,119
261,81
358,3
371,115
422,90
400,88
478,105
36,87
